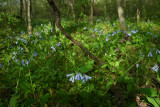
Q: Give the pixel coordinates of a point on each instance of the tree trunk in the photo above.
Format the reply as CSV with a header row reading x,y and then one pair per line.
x,y
105,8
121,16
21,9
138,16
29,18
24,10
71,7
58,23
92,3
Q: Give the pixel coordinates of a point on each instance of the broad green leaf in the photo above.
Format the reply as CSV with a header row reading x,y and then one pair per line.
x,y
109,84
149,92
105,65
26,86
158,58
153,101
44,99
12,102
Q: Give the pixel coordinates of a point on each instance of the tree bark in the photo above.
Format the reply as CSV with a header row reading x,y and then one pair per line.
x,y
121,15
138,15
92,3
29,18
105,8
21,9
67,35
25,11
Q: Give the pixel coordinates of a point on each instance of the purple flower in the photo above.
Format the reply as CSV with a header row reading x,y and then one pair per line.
x,y
155,68
16,42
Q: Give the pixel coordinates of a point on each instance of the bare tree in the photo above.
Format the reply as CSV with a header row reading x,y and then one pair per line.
x,y
29,17
121,15
92,3
67,35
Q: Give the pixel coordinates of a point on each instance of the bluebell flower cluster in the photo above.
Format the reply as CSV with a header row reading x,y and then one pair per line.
x,y
78,77
155,68
25,62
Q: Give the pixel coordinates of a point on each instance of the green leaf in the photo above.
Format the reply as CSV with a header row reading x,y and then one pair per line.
x,y
158,76
154,101
105,65
26,86
109,84
158,58
44,99
12,102
149,92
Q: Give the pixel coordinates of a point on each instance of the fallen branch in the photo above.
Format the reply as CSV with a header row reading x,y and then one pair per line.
x,y
67,35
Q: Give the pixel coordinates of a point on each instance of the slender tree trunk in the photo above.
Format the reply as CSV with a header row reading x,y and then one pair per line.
x,y
138,15
58,23
21,9
105,8
25,11
34,8
73,13
92,3
121,16
29,17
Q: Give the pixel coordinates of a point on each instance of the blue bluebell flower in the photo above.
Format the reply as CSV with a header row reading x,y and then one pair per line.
x,y
21,48
13,57
35,53
22,32
27,62
85,28
23,62
14,53
16,42
11,37
134,31
69,75
150,54
129,34
72,79
157,51
86,78
78,76
58,44
53,48
155,36
1,65
155,68
137,65
16,60
37,33
107,39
